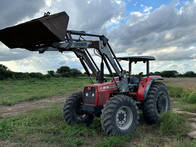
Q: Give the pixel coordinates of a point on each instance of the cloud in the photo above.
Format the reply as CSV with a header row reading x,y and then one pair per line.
x,y
174,54
8,55
165,32
43,62
165,27
13,11
91,15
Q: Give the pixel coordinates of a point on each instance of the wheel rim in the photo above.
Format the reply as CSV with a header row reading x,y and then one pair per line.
x,y
162,102
124,117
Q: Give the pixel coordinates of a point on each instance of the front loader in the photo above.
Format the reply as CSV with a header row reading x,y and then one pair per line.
x,y
115,100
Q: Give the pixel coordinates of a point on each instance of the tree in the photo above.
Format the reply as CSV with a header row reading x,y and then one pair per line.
x,y
64,71
189,74
51,73
5,73
169,73
75,72
157,73
3,67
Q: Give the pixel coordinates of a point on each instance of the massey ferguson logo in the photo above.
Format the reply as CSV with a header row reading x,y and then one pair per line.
x,y
110,86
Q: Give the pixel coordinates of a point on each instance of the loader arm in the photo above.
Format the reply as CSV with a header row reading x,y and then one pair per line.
x,y
43,34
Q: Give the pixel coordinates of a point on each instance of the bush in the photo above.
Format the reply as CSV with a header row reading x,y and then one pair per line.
x,y
20,75
75,72
173,124
37,75
51,73
177,92
190,99
63,71
189,74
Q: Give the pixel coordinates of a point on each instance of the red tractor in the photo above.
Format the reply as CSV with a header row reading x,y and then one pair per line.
x,y
117,99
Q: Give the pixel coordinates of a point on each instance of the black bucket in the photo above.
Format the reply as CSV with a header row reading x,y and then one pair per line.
x,y
38,32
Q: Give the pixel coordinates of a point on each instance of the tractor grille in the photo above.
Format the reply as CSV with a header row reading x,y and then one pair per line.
x,y
102,98
89,95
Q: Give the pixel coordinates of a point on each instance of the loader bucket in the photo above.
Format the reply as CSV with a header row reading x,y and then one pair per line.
x,y
42,31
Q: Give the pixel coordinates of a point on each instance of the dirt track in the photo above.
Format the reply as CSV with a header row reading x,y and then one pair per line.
x,y
30,105
191,121
187,83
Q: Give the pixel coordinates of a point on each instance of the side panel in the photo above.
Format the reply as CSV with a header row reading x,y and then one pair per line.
x,y
144,86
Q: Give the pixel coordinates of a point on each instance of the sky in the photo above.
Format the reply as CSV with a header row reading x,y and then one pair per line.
x,y
165,29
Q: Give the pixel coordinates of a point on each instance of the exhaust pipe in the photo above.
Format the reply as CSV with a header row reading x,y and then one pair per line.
x,y
35,33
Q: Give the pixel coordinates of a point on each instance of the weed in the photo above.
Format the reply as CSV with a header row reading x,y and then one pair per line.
x,y
187,143
176,92
190,99
5,129
188,107
114,141
173,124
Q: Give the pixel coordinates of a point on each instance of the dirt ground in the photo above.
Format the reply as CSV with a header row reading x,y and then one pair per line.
x,y
29,105
187,83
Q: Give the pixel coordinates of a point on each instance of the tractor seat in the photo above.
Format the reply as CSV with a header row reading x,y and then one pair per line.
x,y
134,81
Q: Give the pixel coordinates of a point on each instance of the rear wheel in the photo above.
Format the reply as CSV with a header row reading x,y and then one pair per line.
x,y
157,102
120,115
72,110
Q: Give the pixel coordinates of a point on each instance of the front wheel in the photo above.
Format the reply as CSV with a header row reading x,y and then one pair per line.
x,y
72,113
120,116
157,102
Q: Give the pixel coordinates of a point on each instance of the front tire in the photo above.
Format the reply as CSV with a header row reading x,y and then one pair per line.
x,y
120,116
72,113
157,102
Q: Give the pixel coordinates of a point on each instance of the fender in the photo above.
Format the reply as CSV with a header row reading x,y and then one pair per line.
x,y
145,85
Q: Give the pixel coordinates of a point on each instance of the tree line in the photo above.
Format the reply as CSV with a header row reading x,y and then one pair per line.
x,y
174,73
65,71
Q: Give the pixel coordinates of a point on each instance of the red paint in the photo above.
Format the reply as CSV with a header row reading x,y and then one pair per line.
x,y
104,90
142,86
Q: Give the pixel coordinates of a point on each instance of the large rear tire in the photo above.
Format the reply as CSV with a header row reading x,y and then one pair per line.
x,y
72,113
157,102
120,116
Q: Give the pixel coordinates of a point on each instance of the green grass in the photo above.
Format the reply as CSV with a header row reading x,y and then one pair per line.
x,y
172,124
45,123
180,94
191,99
177,92
15,91
186,98
45,126
187,143
114,141
187,107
